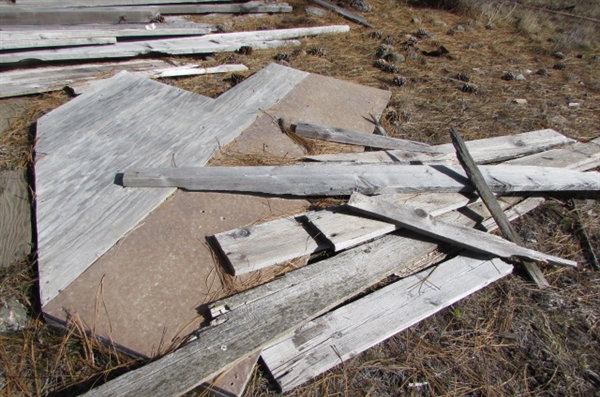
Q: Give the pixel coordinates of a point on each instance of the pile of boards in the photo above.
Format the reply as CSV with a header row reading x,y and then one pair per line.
x,y
47,31
296,322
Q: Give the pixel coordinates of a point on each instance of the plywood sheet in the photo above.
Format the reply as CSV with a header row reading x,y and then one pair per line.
x,y
15,217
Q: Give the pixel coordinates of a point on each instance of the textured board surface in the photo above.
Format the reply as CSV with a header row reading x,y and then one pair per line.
x,y
81,211
15,217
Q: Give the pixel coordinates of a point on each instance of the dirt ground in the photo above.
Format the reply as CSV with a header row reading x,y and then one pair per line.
x,y
470,61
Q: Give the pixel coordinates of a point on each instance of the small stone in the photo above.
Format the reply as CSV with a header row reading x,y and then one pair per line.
x,y
315,11
597,58
490,26
508,76
574,104
416,21
460,28
520,101
395,57
413,55
527,71
13,316
542,72
209,59
559,55
520,77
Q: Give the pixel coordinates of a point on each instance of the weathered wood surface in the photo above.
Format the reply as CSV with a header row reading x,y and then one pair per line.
x,y
266,244
15,217
209,43
421,221
79,149
121,30
488,198
17,41
483,150
96,3
33,81
12,15
339,335
318,179
344,229
233,382
341,135
281,306
343,12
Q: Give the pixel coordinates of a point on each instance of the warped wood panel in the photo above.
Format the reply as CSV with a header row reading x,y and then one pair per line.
x,y
81,211
318,179
341,135
421,221
209,43
15,217
22,15
483,150
339,335
33,81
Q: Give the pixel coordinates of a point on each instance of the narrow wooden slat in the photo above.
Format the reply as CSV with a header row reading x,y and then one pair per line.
x,y
12,15
118,30
79,149
96,3
343,12
188,45
334,179
33,81
483,150
420,221
339,335
341,135
15,217
13,44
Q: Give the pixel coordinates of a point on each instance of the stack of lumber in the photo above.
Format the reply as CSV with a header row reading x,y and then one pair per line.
x,y
47,31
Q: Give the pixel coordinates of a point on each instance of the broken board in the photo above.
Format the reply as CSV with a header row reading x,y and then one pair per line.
x,y
15,217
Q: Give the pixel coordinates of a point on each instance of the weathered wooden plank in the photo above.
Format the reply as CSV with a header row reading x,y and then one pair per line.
x,y
13,44
188,45
79,149
483,150
33,81
341,135
256,247
15,217
420,221
342,179
96,3
488,198
233,382
12,15
308,292
339,335
343,12
121,30
579,156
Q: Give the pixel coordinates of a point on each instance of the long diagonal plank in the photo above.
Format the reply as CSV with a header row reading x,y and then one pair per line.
x,y
339,335
342,135
246,249
483,150
421,221
120,30
318,179
81,212
209,43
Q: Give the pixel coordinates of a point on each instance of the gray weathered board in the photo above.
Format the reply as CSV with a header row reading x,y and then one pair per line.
x,y
11,14
339,335
33,81
15,217
420,221
343,12
341,135
209,43
343,230
96,3
10,41
483,150
268,312
324,179
81,212
120,30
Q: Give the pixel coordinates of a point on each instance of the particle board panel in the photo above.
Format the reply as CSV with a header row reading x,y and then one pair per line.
x,y
81,212
15,216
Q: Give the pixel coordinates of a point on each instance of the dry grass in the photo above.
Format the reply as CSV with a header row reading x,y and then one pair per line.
x,y
509,339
